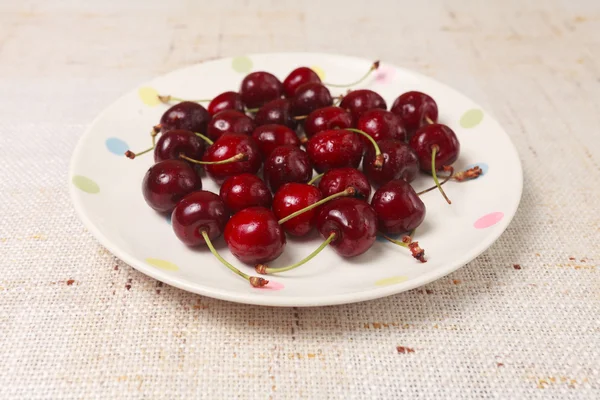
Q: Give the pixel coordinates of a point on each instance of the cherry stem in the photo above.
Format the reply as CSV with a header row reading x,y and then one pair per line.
x,y
378,163
264,270
252,110
446,179
434,149
254,280
155,130
429,120
316,178
373,67
237,157
416,251
300,117
205,138
168,98
349,191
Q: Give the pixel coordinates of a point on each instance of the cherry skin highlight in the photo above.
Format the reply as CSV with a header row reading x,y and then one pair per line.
x,y
360,101
297,78
414,108
293,197
399,209
167,182
258,88
230,121
226,101
336,148
178,141
185,115
309,97
287,164
197,212
243,191
380,125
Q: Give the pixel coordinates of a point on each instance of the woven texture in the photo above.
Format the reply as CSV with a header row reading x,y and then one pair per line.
x,y
521,321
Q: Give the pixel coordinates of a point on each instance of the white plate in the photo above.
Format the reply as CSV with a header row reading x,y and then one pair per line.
x,y
106,191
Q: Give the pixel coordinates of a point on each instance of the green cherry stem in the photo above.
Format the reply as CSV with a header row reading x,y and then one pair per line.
x,y
373,67
429,120
349,191
168,98
416,251
378,163
237,157
434,149
316,178
254,280
264,270
205,138
446,179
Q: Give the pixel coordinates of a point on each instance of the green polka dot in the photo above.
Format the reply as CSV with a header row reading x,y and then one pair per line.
x,y
391,280
85,184
471,118
162,264
241,64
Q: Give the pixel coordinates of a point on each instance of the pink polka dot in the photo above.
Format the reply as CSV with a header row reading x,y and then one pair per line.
x,y
488,220
272,285
384,74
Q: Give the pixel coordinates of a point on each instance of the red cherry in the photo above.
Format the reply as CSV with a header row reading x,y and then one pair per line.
x,y
229,121
226,101
176,142
309,97
428,136
197,212
325,119
293,197
360,101
271,136
243,191
278,112
336,180
399,209
254,236
287,164
353,222
228,146
414,108
336,148
297,78
258,88
400,162
380,125
167,182
185,115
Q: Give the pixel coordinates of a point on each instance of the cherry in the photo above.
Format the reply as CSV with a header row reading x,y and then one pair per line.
x,y
438,135
197,212
258,88
277,111
309,97
287,164
400,162
178,141
226,101
271,136
167,182
229,121
336,148
293,197
327,118
254,236
231,154
359,101
243,191
414,108
297,78
185,115
399,209
381,124
336,180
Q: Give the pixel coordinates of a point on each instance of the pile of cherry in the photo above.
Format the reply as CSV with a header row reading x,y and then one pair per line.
x,y
290,129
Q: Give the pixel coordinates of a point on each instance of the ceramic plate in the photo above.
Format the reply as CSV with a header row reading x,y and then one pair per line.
x,y
106,191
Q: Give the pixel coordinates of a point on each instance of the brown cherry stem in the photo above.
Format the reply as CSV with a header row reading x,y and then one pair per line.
x,y
300,117
373,67
378,163
434,149
303,140
155,130
416,251
205,138
264,270
462,176
254,280
237,157
349,191
167,98
252,110
429,120
316,178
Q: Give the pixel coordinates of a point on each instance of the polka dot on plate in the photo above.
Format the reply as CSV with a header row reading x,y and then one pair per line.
x,y
319,71
385,74
471,118
484,167
85,184
168,218
488,220
116,146
162,264
149,96
391,280
241,64
272,285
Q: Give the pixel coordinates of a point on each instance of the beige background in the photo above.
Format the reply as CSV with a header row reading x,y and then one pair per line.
x,y
521,321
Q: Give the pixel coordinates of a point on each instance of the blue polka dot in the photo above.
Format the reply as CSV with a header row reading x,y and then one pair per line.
x,y
169,218
384,240
484,167
116,146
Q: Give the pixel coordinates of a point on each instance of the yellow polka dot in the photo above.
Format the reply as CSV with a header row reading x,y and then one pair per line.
x,y
85,184
242,64
391,281
149,96
319,71
162,264
471,118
